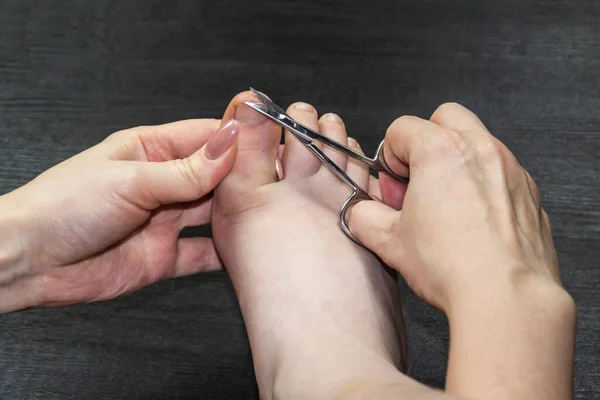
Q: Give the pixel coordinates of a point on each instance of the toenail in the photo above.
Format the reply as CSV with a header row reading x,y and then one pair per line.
x,y
334,118
246,115
303,107
353,143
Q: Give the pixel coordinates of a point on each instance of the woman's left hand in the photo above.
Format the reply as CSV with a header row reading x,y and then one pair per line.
x,y
107,221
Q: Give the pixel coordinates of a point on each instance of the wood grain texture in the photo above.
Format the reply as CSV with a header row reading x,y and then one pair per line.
x,y
74,71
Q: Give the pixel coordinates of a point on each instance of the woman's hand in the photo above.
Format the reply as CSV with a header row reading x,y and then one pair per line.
x,y
473,240
106,222
470,217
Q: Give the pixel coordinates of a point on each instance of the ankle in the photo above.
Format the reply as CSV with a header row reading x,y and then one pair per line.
x,y
333,375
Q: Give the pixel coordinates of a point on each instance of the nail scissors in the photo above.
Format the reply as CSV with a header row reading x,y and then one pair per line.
x,y
309,137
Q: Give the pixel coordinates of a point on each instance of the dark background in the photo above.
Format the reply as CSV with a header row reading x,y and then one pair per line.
x,y
72,72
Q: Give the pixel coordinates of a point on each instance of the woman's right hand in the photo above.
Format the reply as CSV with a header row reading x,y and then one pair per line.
x,y
473,240
470,217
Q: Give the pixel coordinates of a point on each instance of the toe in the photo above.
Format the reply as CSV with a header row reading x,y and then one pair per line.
x,y
374,188
298,161
257,146
332,126
356,170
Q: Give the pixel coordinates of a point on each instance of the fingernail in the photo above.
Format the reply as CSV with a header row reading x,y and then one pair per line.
x,y
303,107
334,118
221,140
246,115
278,169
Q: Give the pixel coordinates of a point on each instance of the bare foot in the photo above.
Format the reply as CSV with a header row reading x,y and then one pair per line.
x,y
323,316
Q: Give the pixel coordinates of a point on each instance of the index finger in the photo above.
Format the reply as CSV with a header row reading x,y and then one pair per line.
x,y
411,141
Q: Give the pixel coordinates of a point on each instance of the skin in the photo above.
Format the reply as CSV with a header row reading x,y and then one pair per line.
x,y
323,317
106,222
512,324
494,271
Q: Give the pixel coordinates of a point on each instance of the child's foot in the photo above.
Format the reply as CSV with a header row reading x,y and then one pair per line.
x,y
322,315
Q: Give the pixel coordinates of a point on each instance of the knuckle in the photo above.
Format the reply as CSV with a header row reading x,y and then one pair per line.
x,y
446,111
546,218
533,188
387,233
135,185
491,152
119,134
187,170
389,239
402,121
124,134
489,148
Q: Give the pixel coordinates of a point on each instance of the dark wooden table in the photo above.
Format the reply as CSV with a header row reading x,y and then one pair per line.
x,y
72,72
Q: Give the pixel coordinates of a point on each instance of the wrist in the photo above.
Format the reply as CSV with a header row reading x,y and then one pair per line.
x,y
535,301
512,341
525,288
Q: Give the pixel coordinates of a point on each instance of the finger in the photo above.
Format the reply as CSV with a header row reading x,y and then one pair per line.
x,y
298,161
333,127
392,191
373,223
279,169
490,154
455,116
418,143
196,255
162,142
182,180
460,119
279,163
392,159
182,215
403,142
356,170
196,213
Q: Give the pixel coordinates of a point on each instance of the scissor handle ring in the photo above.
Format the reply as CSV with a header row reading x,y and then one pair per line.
x,y
357,196
381,165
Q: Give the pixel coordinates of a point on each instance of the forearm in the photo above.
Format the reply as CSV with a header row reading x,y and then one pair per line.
x,y
513,343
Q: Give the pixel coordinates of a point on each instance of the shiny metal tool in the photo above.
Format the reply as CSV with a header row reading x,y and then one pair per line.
x,y
308,137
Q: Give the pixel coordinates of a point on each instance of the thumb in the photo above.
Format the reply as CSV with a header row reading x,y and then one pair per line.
x,y
374,224
190,178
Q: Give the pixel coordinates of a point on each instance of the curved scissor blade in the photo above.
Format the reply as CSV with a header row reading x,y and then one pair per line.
x,y
266,111
284,120
267,102
308,136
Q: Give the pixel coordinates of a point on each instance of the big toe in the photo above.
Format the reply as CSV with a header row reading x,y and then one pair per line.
x,y
257,146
